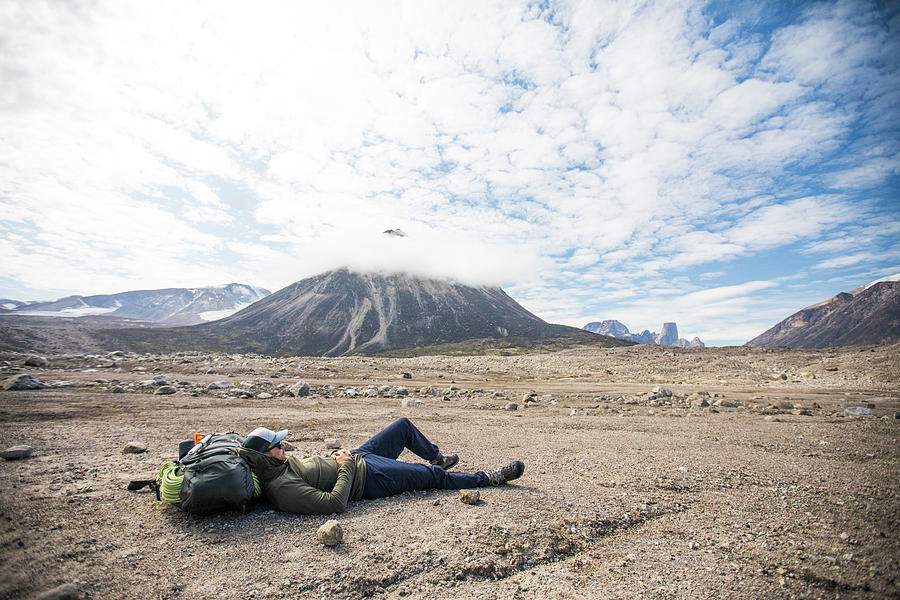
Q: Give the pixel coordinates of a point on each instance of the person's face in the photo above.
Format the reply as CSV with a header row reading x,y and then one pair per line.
x,y
277,452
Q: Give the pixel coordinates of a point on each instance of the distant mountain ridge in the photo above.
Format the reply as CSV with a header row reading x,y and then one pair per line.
x,y
342,312
667,337
869,314
170,306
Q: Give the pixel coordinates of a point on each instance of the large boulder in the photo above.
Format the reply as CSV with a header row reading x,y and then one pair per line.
x,y
23,382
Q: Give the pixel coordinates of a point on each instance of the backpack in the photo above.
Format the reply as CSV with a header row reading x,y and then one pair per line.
x,y
216,479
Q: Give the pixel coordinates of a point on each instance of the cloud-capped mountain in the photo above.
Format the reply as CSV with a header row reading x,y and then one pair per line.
x,y
667,337
869,314
171,306
341,312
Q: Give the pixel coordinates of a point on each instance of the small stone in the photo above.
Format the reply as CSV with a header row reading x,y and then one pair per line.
x,y
427,391
351,393
66,591
161,379
661,391
218,385
401,391
529,397
23,382
36,361
165,390
371,393
301,388
409,402
134,448
264,396
333,443
16,452
725,403
406,375
330,534
511,406
118,389
469,496
499,395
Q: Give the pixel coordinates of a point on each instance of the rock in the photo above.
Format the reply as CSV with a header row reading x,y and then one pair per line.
x,y
115,354
118,389
371,393
529,397
23,382
401,391
16,452
427,391
808,375
218,385
384,389
333,443
499,395
698,402
857,411
66,591
772,419
725,403
511,406
37,361
161,379
406,375
469,496
351,393
264,396
408,402
134,448
330,533
661,391
165,390
301,388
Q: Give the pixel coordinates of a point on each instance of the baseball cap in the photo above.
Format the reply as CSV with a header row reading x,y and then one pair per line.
x,y
263,440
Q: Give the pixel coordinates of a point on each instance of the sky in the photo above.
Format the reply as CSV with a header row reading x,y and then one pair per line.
x,y
717,164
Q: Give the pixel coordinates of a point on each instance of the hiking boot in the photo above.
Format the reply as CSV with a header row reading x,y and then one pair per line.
x,y
506,473
445,462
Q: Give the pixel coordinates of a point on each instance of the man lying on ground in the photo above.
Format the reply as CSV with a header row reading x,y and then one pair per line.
x,y
318,485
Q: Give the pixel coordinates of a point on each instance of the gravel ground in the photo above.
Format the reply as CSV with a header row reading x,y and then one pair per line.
x,y
632,488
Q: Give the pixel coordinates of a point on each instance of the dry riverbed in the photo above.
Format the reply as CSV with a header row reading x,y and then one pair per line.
x,y
651,473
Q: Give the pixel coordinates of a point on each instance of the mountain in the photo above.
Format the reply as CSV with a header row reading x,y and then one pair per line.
x,y
667,337
341,312
172,306
869,314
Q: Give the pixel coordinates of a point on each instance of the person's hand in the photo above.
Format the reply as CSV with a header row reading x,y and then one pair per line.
x,y
342,454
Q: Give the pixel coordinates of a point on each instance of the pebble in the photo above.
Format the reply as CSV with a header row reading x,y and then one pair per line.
x,y
16,452
333,443
134,448
406,375
330,533
511,406
469,496
165,390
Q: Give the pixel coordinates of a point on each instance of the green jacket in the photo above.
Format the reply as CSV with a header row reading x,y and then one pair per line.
x,y
312,486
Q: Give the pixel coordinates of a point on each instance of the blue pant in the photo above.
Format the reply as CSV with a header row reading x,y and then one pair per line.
x,y
386,476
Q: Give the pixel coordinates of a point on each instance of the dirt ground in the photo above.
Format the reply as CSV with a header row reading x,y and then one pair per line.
x,y
768,492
